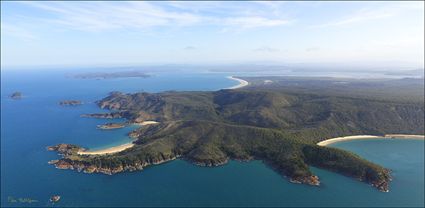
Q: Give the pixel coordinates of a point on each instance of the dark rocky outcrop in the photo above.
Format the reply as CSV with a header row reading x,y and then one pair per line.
x,y
16,95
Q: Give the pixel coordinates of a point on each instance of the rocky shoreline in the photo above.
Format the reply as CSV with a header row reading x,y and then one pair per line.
x,y
68,150
102,115
201,128
108,126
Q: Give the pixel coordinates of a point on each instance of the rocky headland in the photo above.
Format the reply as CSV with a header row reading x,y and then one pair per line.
x,y
273,124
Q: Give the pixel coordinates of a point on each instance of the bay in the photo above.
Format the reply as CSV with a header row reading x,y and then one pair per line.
x,y
36,121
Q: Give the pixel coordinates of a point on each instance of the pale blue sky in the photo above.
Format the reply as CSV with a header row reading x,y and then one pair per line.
x,y
114,33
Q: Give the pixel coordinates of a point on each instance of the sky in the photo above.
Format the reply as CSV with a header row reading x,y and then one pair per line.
x,y
97,33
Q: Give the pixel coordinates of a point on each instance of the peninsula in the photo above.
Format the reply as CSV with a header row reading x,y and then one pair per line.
x,y
279,125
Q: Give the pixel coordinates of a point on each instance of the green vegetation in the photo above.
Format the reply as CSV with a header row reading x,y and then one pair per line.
x,y
276,124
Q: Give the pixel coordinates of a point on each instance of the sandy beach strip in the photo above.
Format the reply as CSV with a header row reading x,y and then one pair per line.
x,y
108,150
144,123
118,148
242,83
363,137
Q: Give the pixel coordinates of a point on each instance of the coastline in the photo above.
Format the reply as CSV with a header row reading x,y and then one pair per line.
x,y
144,123
242,83
118,148
363,137
109,150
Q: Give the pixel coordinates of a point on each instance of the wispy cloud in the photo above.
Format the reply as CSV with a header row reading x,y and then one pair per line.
x,y
100,16
369,14
17,31
97,16
252,22
359,16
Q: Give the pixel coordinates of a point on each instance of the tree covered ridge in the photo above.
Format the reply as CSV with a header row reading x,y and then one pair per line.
x,y
308,117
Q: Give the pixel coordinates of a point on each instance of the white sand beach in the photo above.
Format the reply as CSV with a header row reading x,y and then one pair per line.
x,y
242,83
144,123
108,150
118,148
359,137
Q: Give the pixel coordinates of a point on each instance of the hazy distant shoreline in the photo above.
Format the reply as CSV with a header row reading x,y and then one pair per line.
x,y
242,83
365,137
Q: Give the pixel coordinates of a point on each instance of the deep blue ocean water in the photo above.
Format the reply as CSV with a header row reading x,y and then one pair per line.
x,y
36,121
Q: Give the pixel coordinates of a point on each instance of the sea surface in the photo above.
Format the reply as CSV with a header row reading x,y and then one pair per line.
x,y
36,121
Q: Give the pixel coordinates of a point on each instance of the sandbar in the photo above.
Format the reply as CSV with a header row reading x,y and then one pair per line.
x,y
242,83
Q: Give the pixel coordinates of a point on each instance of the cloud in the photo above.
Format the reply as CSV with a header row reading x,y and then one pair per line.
x,y
101,16
360,16
17,31
253,22
368,14
266,49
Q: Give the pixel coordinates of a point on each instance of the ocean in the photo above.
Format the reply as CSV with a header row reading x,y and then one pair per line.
x,y
36,121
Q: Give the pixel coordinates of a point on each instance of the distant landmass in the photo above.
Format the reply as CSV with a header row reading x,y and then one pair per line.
x,y
70,102
275,119
16,95
111,75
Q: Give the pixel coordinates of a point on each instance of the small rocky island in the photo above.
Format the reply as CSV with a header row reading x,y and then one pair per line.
x,y
16,95
111,126
70,102
55,198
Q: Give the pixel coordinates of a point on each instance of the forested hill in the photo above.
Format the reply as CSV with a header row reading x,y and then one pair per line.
x,y
403,89
308,117
279,125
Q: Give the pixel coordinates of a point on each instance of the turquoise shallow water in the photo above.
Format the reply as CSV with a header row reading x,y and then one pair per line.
x,y
31,124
